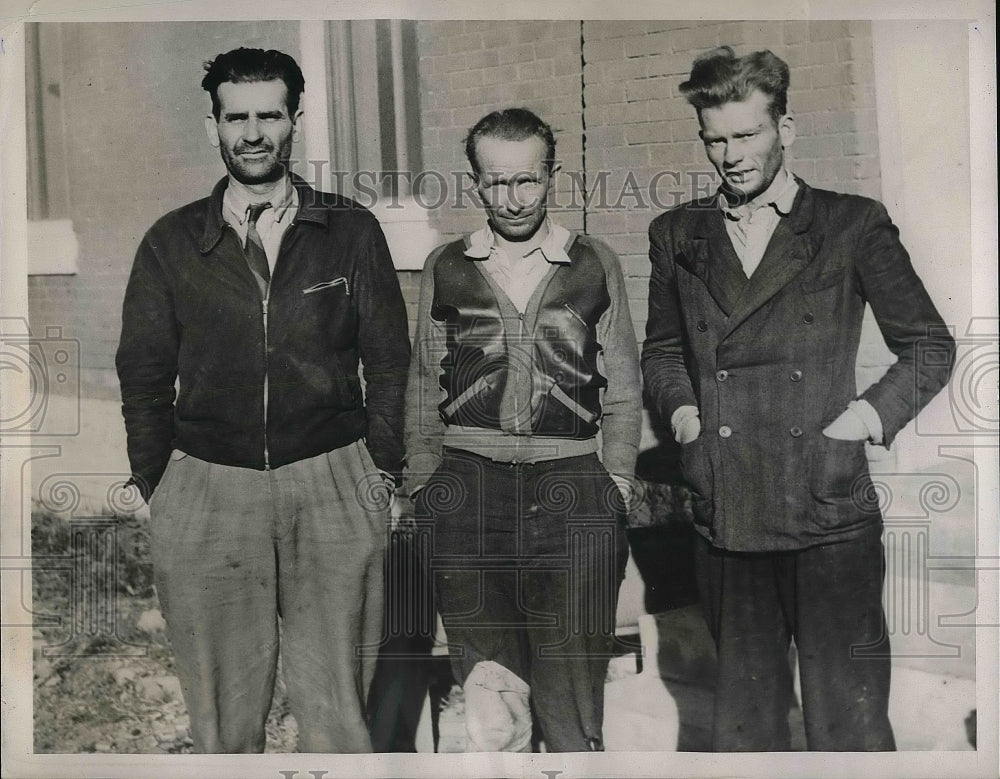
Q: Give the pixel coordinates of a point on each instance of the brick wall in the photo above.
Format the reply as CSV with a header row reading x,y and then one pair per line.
x,y
469,68
136,148
640,130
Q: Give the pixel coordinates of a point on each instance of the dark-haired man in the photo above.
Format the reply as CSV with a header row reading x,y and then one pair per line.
x,y
267,469
756,299
524,351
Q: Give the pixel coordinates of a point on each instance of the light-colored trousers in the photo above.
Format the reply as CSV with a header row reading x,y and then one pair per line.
x,y
234,550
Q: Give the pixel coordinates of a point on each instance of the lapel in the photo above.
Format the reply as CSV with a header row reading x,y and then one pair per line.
x,y
710,256
791,248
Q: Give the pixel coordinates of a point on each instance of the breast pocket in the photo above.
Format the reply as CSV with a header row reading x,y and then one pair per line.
x,y
821,302
336,284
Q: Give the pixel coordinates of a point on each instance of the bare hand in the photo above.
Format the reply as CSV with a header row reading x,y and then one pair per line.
x,y
849,426
688,430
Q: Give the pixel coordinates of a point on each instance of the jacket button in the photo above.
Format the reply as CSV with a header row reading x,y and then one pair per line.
x,y
809,318
702,325
725,431
722,375
796,432
795,375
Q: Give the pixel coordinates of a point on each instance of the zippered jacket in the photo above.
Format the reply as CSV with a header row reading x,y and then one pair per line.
x,y
262,383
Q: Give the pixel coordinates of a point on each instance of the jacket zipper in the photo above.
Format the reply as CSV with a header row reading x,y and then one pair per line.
x,y
263,307
517,404
265,301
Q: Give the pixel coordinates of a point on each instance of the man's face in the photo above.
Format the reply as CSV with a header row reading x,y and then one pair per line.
x,y
746,146
254,132
513,183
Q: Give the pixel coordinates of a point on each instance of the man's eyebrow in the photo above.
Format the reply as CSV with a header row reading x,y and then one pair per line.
x,y
235,115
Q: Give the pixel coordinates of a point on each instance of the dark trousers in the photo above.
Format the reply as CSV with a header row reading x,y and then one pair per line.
x,y
404,669
828,600
528,560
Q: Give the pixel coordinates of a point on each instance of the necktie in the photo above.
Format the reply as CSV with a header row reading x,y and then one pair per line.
x,y
254,248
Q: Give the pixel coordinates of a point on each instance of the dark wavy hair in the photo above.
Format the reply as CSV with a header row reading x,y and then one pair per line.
x,y
719,76
248,65
511,124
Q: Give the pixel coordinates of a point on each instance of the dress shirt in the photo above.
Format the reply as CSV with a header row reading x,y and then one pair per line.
x,y
518,277
271,224
751,226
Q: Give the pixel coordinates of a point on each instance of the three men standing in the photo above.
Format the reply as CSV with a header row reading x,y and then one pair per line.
x,y
260,469
756,299
524,351
246,316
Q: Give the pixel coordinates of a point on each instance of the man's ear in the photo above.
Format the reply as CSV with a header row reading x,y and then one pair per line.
x,y
297,125
786,130
212,130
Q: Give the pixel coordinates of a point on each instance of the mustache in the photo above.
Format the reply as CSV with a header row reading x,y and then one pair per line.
x,y
240,148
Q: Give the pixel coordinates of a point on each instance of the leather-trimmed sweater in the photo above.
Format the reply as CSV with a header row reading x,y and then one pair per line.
x,y
523,387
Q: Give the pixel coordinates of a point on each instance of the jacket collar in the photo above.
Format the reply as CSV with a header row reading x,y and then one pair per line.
x,y
311,209
708,254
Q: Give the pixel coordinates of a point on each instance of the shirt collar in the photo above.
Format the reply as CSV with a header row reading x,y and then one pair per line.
x,y
236,201
553,248
780,195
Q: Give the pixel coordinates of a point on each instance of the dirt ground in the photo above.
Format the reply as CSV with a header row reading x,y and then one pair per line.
x,y
103,671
